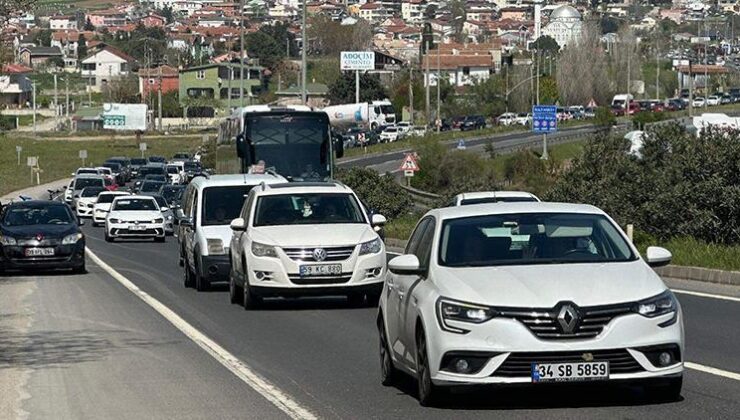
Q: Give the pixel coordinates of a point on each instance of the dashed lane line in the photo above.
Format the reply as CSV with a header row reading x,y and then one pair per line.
x,y
712,370
706,295
270,392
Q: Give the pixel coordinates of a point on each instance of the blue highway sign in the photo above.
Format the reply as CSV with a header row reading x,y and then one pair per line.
x,y
544,118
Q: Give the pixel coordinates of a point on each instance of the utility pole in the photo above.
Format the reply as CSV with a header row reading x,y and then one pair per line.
x,y
241,55
539,56
628,103
531,79
411,92
159,96
33,86
304,61
706,78
228,87
56,98
357,86
439,82
691,91
426,80
657,71
66,94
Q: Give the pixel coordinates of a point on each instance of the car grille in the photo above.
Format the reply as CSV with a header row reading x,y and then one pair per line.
x,y
344,278
36,242
145,232
544,324
332,254
520,364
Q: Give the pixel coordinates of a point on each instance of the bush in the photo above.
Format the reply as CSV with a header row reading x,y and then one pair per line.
x,y
683,186
381,194
604,117
7,123
641,118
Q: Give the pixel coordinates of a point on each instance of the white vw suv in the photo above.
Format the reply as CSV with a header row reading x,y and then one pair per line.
x,y
528,293
301,239
134,216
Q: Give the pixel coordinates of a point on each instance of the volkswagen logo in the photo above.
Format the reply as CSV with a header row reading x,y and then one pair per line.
x,y
319,254
587,357
568,318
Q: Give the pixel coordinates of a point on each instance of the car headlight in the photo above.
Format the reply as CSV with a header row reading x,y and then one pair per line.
x,y
215,247
262,250
657,305
159,220
169,217
371,247
114,220
7,241
72,239
450,310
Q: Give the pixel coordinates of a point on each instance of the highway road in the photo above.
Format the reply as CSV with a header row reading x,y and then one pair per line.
x,y
319,352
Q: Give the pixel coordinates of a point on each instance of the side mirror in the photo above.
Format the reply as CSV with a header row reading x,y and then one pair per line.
x,y
164,209
238,225
186,222
405,265
658,257
378,220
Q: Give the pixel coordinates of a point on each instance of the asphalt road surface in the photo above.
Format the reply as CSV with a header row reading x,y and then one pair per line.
x,y
320,352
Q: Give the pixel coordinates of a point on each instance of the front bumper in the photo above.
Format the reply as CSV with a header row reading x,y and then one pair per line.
x,y
65,256
510,349
215,268
127,230
280,276
99,216
83,210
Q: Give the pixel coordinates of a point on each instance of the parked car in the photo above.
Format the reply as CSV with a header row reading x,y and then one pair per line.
x,y
617,110
725,99
311,239
389,134
466,303
404,127
524,118
675,104
698,102
589,112
713,100
473,122
506,119
40,234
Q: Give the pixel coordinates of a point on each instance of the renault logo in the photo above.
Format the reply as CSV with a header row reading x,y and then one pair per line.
x,y
319,254
568,319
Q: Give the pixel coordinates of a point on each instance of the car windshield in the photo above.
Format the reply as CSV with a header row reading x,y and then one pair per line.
x,y
137,161
172,170
112,166
91,191
529,239
307,209
151,186
87,171
24,215
221,205
171,194
160,201
107,198
134,204
192,166
81,183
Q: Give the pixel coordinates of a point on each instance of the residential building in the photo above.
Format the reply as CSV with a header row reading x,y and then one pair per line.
x,y
374,12
154,20
702,75
283,11
106,18
514,13
104,65
565,26
412,11
68,41
210,83
15,86
62,23
150,80
35,57
459,70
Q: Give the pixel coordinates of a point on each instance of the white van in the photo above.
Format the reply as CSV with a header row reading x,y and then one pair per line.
x,y
622,99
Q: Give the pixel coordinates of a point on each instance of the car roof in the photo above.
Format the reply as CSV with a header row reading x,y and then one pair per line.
x,y
88,176
491,194
509,208
304,187
35,203
236,179
115,193
134,196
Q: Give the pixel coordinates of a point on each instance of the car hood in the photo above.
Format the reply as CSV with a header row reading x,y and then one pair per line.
x,y
348,234
222,232
543,286
49,231
103,206
135,215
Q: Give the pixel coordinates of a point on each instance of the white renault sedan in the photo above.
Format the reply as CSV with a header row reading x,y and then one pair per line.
x,y
135,216
528,293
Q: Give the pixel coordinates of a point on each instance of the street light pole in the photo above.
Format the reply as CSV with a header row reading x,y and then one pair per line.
x,y
439,71
426,80
241,56
304,95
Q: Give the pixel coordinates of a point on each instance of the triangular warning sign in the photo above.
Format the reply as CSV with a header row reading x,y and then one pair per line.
x,y
409,163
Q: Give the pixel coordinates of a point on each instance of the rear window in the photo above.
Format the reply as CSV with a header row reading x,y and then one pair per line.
x,y
134,204
81,183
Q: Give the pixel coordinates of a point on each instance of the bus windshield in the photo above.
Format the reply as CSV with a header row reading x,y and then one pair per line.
x,y
295,146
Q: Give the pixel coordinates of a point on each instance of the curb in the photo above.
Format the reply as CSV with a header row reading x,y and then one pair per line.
x,y
704,275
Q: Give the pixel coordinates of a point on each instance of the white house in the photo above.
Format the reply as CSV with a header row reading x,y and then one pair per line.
x,y
374,12
104,66
412,11
459,70
282,11
63,22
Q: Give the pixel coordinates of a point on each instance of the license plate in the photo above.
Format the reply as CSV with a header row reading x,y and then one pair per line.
x,y
39,252
136,227
561,372
320,270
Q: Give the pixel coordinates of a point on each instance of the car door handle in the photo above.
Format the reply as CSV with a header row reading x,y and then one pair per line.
x,y
391,285
401,293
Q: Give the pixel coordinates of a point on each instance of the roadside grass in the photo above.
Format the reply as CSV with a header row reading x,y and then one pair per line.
x,y
558,153
58,159
401,227
692,252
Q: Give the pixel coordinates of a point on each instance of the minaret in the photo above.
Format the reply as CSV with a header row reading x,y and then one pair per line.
x,y
537,19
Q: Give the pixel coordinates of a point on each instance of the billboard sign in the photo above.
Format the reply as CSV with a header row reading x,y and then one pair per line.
x,y
130,117
357,60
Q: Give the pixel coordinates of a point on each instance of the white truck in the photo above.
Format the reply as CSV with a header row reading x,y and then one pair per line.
x,y
714,120
366,114
622,100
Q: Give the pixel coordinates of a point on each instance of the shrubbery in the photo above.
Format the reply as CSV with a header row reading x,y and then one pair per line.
x,y
682,185
380,193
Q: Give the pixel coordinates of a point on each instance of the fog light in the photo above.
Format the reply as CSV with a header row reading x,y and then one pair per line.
x,y
462,366
259,275
376,272
665,359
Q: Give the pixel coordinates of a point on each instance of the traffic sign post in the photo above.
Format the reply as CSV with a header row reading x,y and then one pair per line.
x,y
544,121
18,150
409,166
83,156
142,147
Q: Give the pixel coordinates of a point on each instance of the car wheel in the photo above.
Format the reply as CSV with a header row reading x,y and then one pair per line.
x,y
187,276
201,282
250,299
108,238
236,294
81,269
670,390
159,239
428,393
182,257
95,224
373,298
388,372
356,299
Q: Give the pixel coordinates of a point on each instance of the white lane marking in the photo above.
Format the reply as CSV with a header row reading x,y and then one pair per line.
x,y
706,295
713,370
269,391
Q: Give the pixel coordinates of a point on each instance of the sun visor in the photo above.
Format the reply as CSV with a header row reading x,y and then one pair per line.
x,y
572,229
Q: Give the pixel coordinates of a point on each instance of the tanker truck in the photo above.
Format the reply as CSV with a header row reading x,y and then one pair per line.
x,y
366,114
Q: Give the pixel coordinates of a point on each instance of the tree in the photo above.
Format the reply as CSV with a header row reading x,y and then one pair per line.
x,y
545,44
459,15
330,38
88,25
280,33
608,25
583,70
167,13
430,13
342,90
264,47
380,193
170,104
123,89
9,8
548,90
81,47
604,118
43,38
